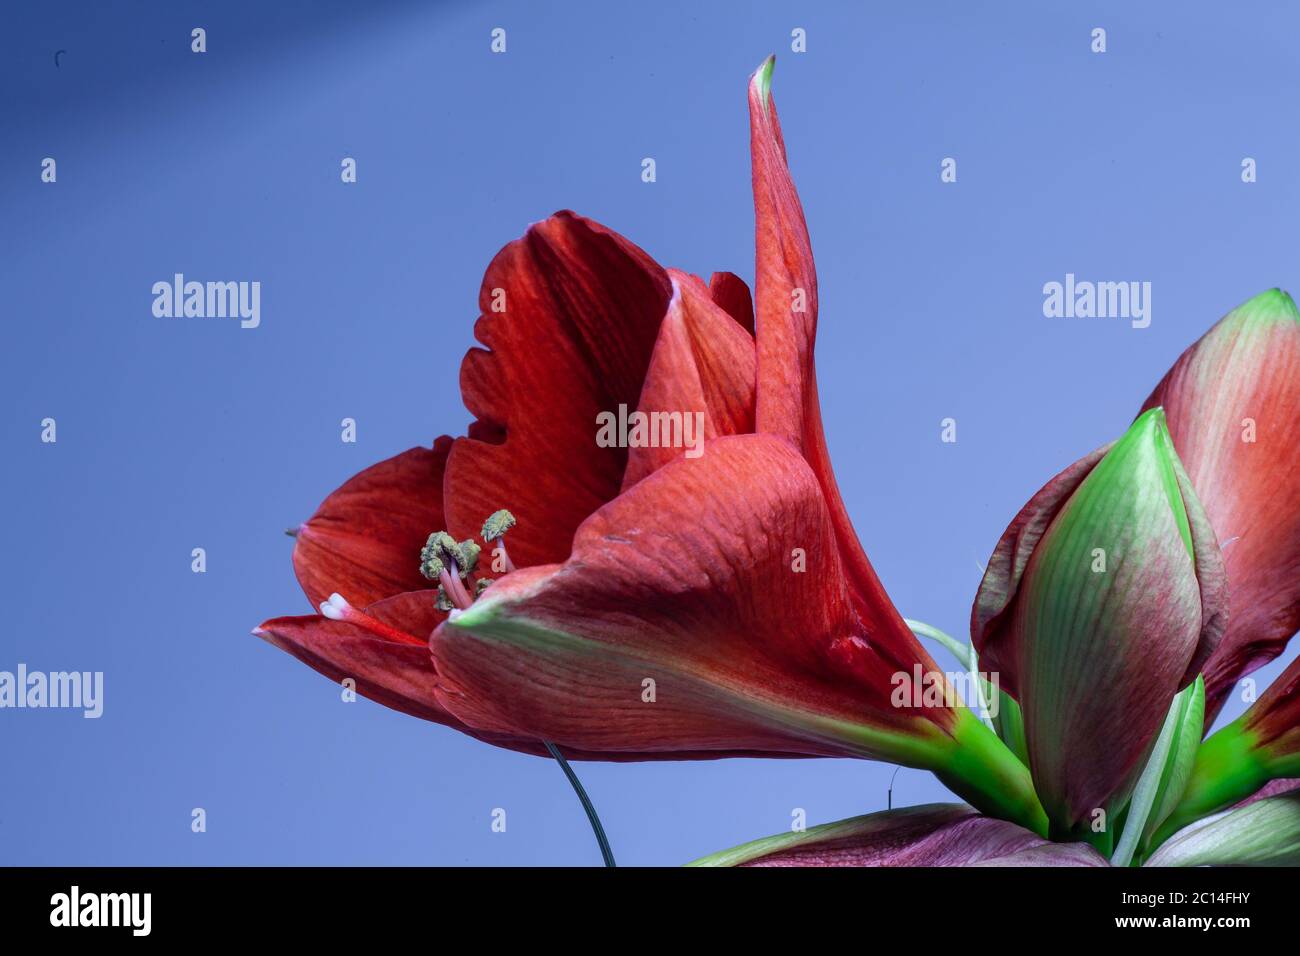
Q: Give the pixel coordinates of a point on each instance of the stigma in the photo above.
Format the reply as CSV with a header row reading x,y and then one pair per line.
x,y
337,608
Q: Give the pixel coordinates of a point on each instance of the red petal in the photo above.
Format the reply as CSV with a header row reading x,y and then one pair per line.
x,y
1247,366
703,365
1274,719
582,311
396,674
730,292
400,674
364,540
787,403
1049,854
1274,788
687,580
937,834
1006,567
785,278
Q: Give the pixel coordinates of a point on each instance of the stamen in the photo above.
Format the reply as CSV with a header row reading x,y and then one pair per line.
x,y
453,588
451,563
442,602
494,530
438,551
336,608
505,555
468,561
497,524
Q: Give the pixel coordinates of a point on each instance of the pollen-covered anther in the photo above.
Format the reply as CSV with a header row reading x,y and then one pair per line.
x,y
439,550
468,562
442,602
448,562
497,524
494,533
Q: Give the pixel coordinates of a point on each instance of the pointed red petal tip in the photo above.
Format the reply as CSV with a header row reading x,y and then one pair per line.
x,y
760,81
785,304
396,673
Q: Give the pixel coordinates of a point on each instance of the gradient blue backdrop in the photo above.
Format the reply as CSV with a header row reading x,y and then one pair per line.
x,y
175,434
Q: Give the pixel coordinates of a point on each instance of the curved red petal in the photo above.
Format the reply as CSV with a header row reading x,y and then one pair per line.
x,y
1274,719
786,330
937,834
396,674
729,291
702,610
1274,788
570,316
700,381
364,540
785,277
1232,402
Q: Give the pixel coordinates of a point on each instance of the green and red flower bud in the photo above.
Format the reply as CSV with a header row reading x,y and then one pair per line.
x,y
1102,600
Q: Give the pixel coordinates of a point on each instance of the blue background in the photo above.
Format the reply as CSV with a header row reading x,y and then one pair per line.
x,y
176,434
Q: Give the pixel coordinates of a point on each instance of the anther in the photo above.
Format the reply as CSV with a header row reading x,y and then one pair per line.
x,y
494,532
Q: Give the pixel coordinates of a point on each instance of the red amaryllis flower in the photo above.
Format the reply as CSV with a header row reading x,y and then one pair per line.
x,y
653,602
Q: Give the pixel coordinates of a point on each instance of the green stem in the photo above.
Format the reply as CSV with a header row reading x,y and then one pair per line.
x,y
981,770
606,853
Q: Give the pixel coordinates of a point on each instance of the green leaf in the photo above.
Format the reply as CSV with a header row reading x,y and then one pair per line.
x,y
1263,833
1182,755
1161,771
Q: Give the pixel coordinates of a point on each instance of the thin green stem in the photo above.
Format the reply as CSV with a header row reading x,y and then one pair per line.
x,y
965,655
606,853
